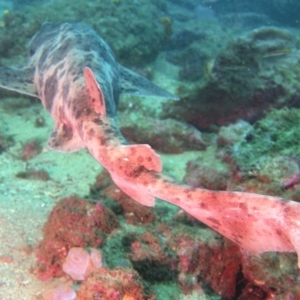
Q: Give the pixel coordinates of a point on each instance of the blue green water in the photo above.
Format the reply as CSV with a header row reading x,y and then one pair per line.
x,y
235,66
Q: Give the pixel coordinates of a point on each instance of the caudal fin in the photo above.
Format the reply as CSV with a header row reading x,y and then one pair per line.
x,y
19,80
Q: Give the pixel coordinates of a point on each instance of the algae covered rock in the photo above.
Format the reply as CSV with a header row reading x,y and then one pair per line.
x,y
120,283
167,136
268,157
136,35
275,135
194,42
73,222
251,74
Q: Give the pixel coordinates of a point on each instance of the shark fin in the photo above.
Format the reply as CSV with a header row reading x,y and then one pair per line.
x,y
134,192
18,80
95,96
142,155
134,84
65,139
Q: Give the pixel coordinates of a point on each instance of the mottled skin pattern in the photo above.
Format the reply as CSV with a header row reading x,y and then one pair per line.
x,y
60,55
258,223
74,73
65,51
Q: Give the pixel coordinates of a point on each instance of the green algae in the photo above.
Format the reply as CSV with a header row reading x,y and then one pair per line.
x,y
250,75
136,35
277,134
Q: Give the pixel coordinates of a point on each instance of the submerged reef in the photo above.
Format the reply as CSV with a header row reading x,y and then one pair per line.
x,y
286,13
135,40
167,136
73,222
277,134
250,75
117,284
179,254
196,39
127,251
152,248
266,158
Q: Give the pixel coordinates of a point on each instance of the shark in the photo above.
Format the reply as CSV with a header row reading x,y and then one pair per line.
x,y
74,73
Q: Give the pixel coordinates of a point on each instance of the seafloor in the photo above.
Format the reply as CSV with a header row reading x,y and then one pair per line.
x,y
236,127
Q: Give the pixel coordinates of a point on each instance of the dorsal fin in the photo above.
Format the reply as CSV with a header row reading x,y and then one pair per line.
x,y
95,96
133,83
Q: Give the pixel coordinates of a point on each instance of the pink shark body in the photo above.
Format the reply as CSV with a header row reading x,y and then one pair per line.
x,y
74,73
258,223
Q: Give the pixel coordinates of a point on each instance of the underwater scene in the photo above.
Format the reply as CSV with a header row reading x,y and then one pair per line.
x,y
149,149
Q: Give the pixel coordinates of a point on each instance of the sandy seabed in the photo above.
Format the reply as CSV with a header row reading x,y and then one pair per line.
x,y
26,203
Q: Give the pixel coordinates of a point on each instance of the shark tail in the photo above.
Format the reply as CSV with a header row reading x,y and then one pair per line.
x,y
257,223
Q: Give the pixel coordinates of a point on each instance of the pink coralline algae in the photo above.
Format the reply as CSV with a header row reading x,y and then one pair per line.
x,y
276,274
73,222
60,293
80,263
117,284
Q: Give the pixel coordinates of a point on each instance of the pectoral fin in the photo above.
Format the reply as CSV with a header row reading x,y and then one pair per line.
x,y
133,83
18,80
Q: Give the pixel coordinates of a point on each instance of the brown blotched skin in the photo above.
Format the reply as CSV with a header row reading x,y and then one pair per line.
x,y
74,73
